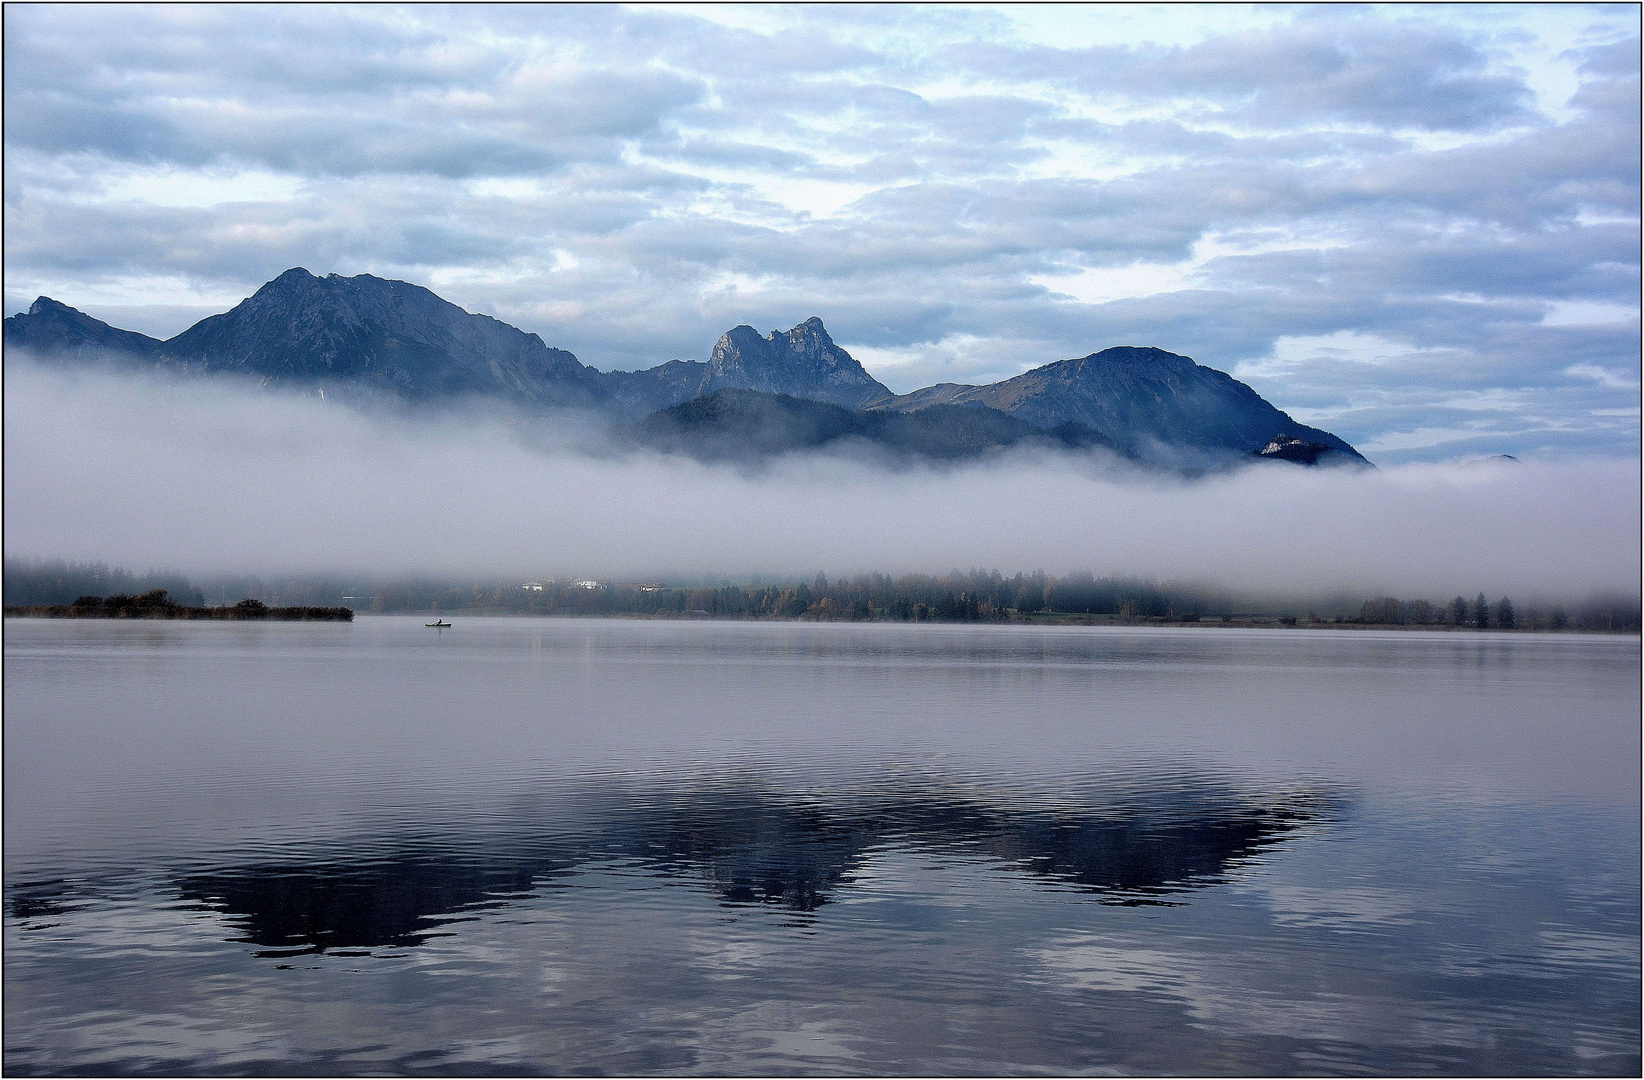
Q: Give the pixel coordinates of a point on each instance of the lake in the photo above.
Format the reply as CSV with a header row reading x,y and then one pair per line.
x,y
564,846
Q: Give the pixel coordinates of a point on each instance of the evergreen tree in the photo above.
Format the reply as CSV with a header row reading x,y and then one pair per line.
x,y
1504,614
1481,612
1458,612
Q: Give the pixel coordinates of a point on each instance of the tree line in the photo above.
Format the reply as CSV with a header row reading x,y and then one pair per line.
x,y
1597,613
30,582
958,596
973,596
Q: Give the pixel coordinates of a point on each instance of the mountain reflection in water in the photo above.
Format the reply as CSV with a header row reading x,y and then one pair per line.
x,y
745,844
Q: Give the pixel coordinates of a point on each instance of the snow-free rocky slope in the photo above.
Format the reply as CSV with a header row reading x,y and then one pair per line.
x,y
390,338
1157,405
802,362
374,334
734,424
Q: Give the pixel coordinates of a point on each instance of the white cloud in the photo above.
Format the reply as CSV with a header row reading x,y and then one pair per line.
x,y
1616,380
1361,211
1100,284
1344,347
200,187
1587,313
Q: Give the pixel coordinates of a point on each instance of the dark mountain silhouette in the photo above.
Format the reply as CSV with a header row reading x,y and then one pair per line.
x,y
56,331
803,362
381,335
1155,404
639,392
748,424
373,337
362,334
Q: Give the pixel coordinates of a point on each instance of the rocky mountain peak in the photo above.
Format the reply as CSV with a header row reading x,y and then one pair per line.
x,y
381,336
1141,358
293,283
45,305
51,328
1158,405
802,361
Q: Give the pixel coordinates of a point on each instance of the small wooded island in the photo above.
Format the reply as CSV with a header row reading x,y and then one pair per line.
x,y
158,604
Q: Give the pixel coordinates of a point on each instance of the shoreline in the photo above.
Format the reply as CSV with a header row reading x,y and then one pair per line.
x,y
224,614
343,614
1237,623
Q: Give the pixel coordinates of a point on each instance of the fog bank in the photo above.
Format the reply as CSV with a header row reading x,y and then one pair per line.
x,y
211,477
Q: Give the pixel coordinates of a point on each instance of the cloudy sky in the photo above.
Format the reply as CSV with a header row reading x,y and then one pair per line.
x,y
1416,227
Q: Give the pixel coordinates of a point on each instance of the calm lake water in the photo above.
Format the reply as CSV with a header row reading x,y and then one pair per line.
x,y
545,846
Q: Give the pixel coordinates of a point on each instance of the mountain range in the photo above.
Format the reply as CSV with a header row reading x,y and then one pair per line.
x,y
368,337
735,424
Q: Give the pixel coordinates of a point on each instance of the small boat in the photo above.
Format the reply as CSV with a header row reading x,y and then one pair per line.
x,y
439,622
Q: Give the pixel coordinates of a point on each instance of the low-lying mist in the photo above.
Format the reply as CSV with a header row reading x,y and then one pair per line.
x,y
219,477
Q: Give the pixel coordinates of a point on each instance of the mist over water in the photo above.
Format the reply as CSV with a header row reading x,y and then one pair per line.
x,y
225,477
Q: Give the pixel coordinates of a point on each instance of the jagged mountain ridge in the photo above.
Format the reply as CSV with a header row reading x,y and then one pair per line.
x,y
736,424
372,333
745,361
802,362
57,330
360,333
384,337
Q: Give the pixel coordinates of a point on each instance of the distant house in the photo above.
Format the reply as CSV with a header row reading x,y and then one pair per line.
x,y
590,585
532,586
1283,447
